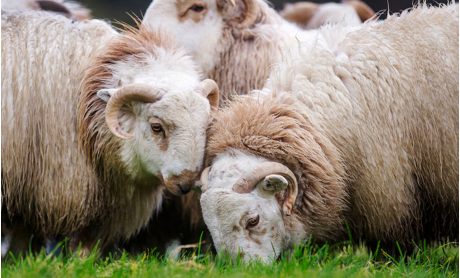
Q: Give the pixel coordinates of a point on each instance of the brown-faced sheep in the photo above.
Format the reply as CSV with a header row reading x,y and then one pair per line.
x,y
359,127
95,125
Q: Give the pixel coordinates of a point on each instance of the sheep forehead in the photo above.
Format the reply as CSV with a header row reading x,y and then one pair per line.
x,y
176,103
233,209
184,111
169,72
229,166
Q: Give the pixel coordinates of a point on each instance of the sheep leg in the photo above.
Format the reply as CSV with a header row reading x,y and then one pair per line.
x,y
80,242
21,239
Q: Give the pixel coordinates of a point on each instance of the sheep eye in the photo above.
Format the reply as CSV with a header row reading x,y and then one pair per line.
x,y
252,222
196,8
157,128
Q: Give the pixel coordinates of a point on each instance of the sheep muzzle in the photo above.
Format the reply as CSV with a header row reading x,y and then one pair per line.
x,y
182,183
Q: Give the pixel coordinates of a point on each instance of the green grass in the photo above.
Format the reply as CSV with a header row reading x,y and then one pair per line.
x,y
305,261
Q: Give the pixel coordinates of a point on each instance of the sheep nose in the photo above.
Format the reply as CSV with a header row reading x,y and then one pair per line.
x,y
184,188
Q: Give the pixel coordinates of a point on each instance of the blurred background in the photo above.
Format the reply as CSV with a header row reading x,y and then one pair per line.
x,y
118,9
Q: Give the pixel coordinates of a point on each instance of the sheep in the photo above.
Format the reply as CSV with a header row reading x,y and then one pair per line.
x,y
69,9
234,42
95,125
359,128
309,15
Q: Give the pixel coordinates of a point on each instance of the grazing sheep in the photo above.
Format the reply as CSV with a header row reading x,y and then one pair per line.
x,y
95,125
69,9
309,15
360,127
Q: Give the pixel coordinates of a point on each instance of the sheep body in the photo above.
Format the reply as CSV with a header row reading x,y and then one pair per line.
x,y
63,171
366,120
47,142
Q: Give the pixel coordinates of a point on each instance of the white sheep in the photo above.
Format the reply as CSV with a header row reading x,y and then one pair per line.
x,y
234,42
95,125
359,128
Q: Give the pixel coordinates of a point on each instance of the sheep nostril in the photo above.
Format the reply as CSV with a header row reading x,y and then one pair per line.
x,y
184,189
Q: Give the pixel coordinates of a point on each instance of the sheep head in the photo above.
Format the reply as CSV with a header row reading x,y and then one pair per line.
x,y
275,179
198,24
167,129
143,112
241,205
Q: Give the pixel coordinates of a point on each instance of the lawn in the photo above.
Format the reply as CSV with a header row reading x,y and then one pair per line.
x,y
305,261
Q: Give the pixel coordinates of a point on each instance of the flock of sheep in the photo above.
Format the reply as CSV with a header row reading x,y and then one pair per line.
x,y
312,130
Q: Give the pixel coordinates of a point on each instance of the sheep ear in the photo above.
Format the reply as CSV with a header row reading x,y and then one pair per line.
x,y
106,94
300,13
272,184
364,11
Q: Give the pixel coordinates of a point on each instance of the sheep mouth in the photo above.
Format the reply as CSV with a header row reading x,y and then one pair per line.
x,y
181,184
184,189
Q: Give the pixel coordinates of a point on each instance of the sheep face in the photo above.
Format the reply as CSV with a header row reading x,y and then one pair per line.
x,y
169,138
197,24
250,223
165,124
